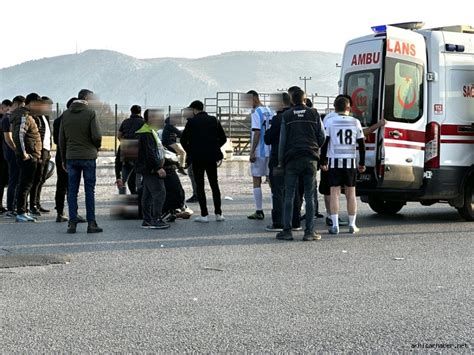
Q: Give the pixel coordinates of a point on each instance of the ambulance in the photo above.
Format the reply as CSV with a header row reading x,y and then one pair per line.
x,y
421,81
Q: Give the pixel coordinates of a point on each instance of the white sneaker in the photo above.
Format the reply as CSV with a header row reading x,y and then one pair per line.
x,y
220,218
201,219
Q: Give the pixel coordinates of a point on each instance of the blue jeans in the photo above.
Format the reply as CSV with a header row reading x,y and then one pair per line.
x,y
128,179
88,169
305,168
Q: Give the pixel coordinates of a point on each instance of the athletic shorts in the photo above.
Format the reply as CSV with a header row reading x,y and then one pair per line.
x,y
342,177
260,167
324,188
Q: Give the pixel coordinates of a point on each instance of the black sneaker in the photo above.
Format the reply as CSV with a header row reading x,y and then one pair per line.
x,y
182,172
71,228
258,215
341,222
319,215
192,199
94,228
171,217
160,225
61,218
43,210
3,210
35,212
284,235
80,219
311,236
274,228
147,225
10,214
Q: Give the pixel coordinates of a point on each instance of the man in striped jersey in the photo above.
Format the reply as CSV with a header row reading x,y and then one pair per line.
x,y
343,134
259,151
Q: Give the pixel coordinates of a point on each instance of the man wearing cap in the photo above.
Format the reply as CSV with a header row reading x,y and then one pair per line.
x,y
202,140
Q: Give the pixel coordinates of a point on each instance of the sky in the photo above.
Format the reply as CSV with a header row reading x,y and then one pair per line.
x,y
198,28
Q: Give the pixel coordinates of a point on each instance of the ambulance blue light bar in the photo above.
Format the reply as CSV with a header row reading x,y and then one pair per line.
x,y
379,29
415,25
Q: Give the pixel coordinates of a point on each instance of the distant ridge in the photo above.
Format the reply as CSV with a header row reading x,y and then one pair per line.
x,y
125,80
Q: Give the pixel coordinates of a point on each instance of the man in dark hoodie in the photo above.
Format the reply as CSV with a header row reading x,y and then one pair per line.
x,y
79,140
150,162
27,140
302,135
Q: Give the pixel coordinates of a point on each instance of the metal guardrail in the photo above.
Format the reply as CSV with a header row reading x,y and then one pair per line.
x,y
229,107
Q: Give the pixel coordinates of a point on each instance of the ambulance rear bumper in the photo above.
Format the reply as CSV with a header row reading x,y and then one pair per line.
x,y
444,184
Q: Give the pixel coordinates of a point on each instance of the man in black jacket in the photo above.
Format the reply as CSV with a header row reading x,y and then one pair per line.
x,y
44,127
170,140
149,164
202,140
301,136
126,154
277,180
9,149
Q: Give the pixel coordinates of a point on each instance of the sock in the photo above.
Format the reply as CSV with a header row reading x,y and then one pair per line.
x,y
257,195
352,221
335,220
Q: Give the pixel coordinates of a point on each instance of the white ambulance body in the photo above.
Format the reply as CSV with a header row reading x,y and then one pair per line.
x,y
422,83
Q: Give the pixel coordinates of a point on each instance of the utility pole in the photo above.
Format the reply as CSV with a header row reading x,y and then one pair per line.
x,y
305,79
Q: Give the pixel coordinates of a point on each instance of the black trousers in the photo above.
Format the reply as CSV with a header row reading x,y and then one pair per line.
x,y
27,175
3,177
61,185
277,184
210,168
39,179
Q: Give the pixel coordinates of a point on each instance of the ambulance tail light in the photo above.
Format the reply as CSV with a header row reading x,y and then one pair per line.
x,y
432,150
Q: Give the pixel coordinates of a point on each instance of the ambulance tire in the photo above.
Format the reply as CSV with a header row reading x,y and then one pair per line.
x,y
467,211
385,207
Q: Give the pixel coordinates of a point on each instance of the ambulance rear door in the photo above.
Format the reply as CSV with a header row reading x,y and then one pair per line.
x,y
361,80
401,147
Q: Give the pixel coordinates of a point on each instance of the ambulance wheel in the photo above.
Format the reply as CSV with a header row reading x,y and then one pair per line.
x,y
385,207
467,211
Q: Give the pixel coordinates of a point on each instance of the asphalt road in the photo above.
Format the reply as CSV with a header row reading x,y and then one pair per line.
x,y
231,287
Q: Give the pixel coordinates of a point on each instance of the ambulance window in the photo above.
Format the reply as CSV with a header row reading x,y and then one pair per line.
x,y
403,91
362,87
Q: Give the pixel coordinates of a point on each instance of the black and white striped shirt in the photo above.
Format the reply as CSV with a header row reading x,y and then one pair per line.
x,y
343,133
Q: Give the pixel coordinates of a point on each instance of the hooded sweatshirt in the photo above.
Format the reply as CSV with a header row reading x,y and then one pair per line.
x,y
79,135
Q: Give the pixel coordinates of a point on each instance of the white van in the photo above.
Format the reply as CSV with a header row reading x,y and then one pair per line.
x,y
422,82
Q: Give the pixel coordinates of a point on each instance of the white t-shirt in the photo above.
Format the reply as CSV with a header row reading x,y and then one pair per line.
x,y
47,134
343,133
261,117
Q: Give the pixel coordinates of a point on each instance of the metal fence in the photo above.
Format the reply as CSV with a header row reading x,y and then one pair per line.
x,y
231,108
